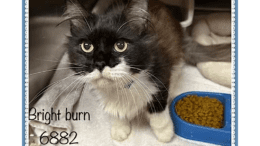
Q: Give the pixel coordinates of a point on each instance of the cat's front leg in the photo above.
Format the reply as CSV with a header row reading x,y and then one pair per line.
x,y
120,130
161,122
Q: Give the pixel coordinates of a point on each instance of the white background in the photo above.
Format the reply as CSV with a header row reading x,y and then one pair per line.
x,y
248,73
11,73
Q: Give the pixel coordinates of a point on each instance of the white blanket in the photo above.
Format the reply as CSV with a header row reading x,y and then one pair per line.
x,y
67,93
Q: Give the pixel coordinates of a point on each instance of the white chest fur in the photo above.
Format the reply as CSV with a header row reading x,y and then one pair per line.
x,y
120,100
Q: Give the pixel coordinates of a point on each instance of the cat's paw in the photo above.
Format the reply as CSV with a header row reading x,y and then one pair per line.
x,y
165,134
120,132
162,126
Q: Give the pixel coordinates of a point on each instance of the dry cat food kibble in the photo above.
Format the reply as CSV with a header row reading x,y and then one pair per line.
x,y
203,111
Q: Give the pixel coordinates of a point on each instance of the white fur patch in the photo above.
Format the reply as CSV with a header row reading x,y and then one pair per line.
x,y
95,74
162,125
115,98
123,102
120,129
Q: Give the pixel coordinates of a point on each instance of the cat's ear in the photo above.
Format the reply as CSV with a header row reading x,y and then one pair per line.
x,y
137,13
76,13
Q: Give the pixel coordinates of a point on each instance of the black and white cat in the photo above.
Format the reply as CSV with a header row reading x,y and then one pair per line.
x,y
132,54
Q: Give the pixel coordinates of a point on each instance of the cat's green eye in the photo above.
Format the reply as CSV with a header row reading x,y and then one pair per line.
x,y
120,46
87,47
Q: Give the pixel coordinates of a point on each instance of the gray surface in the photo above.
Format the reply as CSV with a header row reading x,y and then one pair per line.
x,y
45,51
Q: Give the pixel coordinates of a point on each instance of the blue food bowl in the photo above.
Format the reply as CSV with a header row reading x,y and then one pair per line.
x,y
221,136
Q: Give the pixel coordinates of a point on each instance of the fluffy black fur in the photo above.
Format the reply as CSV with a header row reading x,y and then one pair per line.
x,y
103,31
130,23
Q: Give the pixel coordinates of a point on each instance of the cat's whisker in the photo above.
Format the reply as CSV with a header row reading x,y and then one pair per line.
x,y
129,89
86,84
82,15
146,87
117,90
53,70
145,71
126,95
107,90
78,83
143,89
142,65
140,9
129,80
119,20
47,88
151,65
157,88
132,98
123,86
64,90
125,91
61,62
125,77
146,94
126,23
155,96
148,21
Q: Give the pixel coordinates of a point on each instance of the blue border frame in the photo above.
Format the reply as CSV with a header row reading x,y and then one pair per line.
x,y
23,75
23,72
236,72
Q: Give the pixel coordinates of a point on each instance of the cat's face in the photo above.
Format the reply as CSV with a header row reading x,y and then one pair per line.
x,y
108,47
